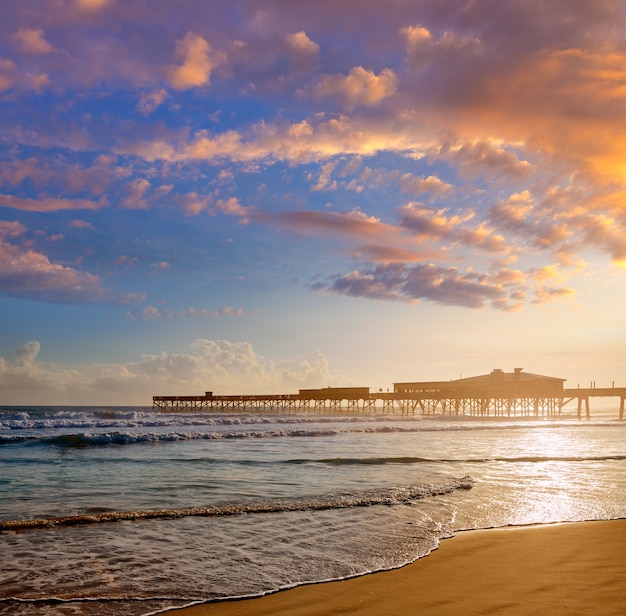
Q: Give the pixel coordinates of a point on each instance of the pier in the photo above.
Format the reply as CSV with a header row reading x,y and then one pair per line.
x,y
498,394
583,395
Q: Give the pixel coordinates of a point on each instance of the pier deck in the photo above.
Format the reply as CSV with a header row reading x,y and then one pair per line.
x,y
498,394
391,404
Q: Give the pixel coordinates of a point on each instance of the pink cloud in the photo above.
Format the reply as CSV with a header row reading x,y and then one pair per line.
x,y
354,223
81,224
232,207
8,74
441,285
32,41
26,273
47,204
135,195
150,101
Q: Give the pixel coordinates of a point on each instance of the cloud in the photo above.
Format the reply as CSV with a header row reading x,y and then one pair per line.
x,y
59,175
232,207
360,87
366,237
92,5
26,354
419,45
193,204
422,47
487,160
47,204
12,77
355,223
8,74
434,224
220,365
32,41
441,285
301,44
149,101
136,190
324,179
81,224
550,294
198,61
320,138
377,253
29,274
424,185
505,120
150,313
304,52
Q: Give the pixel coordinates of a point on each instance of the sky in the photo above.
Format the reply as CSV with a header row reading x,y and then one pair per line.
x,y
258,196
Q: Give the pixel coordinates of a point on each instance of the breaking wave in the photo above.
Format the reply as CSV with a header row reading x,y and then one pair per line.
x,y
361,498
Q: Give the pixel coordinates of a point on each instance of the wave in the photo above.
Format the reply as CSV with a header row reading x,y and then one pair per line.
x,y
418,460
361,498
86,439
358,461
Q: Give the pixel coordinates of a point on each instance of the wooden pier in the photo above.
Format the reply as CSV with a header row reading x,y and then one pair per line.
x,y
498,394
583,395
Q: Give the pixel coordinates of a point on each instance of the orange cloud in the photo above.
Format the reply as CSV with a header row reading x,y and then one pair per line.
x,y
569,104
359,87
198,61
298,142
300,43
92,5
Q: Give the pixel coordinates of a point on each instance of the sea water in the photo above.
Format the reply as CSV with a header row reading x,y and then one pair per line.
x,y
130,511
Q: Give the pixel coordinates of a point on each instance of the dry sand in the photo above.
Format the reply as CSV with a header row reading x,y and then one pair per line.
x,y
556,569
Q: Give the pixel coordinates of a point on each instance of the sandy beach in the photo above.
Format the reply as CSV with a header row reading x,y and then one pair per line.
x,y
577,568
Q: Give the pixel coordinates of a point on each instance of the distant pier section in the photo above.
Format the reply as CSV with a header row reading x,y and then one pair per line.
x,y
498,394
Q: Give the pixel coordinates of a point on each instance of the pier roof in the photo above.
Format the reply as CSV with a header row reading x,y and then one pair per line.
x,y
517,375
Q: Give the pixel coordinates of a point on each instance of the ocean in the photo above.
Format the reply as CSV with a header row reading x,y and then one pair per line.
x,y
126,511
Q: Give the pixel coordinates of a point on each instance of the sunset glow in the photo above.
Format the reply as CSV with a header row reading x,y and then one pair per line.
x,y
258,196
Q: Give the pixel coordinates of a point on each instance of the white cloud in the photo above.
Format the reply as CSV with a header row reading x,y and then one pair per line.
x,y
222,366
152,312
26,355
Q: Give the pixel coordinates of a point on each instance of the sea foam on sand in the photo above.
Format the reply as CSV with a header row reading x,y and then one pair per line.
x,y
557,569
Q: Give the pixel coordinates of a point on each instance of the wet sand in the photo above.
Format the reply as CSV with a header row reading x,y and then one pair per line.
x,y
577,568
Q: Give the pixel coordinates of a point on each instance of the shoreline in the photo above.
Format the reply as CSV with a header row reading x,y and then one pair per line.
x,y
559,568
